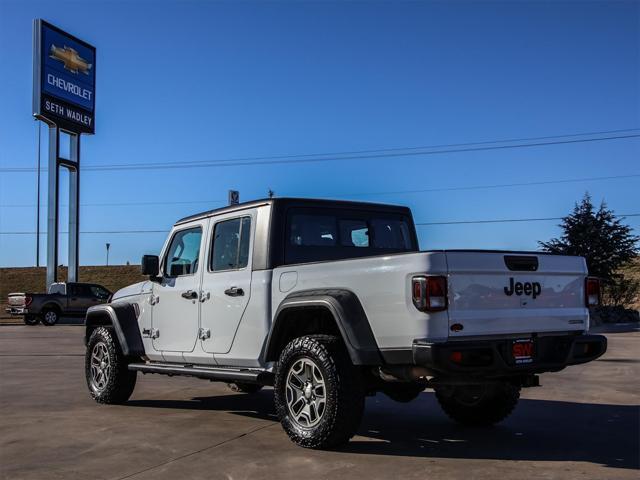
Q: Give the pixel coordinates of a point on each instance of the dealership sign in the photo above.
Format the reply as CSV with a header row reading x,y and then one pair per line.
x,y
64,82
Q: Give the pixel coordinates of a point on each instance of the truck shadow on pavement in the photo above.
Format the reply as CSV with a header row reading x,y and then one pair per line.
x,y
538,430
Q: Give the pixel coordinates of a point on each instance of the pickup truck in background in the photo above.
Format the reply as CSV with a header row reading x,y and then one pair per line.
x,y
62,300
330,301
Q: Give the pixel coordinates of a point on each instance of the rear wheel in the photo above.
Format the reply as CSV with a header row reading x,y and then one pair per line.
x,y
244,387
106,368
50,317
319,394
31,320
478,405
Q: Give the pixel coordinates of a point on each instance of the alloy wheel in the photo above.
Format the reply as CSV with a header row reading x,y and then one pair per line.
x,y
100,366
306,393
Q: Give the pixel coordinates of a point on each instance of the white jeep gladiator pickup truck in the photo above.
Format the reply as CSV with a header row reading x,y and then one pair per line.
x,y
330,301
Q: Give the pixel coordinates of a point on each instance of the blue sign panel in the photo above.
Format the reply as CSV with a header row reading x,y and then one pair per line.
x,y
64,79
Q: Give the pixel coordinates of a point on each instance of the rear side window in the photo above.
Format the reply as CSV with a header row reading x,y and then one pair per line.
x,y
313,230
79,291
313,236
354,233
391,233
231,239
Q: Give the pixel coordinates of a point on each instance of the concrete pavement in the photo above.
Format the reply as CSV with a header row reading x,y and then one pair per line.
x,y
583,423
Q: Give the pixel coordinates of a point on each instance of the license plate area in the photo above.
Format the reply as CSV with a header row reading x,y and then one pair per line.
x,y
523,351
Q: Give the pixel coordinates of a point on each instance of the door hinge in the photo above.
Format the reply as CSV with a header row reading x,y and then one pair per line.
x,y
150,333
153,300
204,296
204,333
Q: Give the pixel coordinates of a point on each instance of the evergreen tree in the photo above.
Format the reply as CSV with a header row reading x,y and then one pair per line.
x,y
599,236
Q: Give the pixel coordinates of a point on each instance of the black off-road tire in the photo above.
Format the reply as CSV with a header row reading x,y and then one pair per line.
x,y
485,405
244,387
121,381
50,316
403,392
344,392
31,320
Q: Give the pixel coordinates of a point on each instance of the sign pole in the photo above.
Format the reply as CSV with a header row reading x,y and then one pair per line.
x,y
74,209
38,202
64,78
52,211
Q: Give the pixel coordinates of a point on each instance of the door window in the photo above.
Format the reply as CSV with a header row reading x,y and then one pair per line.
x,y
184,252
231,239
99,292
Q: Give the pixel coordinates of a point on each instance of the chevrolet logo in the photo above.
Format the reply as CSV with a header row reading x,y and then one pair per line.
x,y
72,61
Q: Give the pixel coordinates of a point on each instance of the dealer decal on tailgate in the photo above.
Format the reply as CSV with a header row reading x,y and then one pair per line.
x,y
522,351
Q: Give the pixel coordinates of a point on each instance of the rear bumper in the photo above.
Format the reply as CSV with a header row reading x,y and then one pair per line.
x,y
493,358
17,311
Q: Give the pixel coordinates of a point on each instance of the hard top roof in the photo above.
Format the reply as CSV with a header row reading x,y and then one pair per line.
x,y
302,202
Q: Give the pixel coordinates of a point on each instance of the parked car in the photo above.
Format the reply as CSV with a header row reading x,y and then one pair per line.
x,y
330,301
63,299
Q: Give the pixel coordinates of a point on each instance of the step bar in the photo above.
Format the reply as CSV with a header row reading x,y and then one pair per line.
x,y
217,374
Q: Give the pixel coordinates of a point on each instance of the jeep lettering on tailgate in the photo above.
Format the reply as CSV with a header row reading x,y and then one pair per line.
x,y
533,289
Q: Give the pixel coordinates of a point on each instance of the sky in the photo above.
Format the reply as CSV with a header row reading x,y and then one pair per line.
x,y
199,81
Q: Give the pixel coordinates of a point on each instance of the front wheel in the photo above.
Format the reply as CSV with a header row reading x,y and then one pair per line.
x,y
478,405
319,394
106,368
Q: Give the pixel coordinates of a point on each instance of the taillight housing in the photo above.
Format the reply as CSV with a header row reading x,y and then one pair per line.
x,y
27,301
429,293
592,292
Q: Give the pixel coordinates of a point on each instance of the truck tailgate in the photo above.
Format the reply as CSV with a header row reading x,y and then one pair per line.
x,y
16,299
493,293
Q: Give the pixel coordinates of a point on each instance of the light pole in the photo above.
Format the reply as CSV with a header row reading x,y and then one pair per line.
x,y
108,246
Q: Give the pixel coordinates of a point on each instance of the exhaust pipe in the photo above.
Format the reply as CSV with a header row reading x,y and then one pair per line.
x,y
403,373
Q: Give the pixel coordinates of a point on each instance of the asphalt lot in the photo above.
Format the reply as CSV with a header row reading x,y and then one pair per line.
x,y
583,423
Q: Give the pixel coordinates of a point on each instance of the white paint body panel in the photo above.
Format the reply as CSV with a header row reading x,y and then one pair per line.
x,y
254,327
176,318
220,313
478,302
141,294
383,285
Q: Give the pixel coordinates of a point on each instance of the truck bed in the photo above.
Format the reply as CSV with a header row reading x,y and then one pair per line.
x,y
477,299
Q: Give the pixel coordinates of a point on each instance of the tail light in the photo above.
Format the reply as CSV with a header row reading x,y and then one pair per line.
x,y
429,293
592,292
27,301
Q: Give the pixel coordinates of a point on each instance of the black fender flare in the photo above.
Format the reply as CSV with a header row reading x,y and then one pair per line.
x,y
348,314
123,317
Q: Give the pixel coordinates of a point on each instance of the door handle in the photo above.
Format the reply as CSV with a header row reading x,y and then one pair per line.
x,y
234,292
190,294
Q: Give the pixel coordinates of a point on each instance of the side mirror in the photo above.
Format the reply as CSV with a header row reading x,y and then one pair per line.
x,y
150,265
